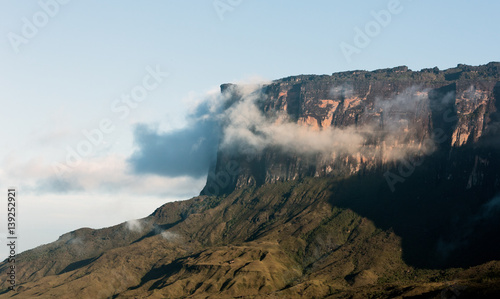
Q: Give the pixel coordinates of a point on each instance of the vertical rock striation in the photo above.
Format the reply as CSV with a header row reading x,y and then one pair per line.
x,y
399,112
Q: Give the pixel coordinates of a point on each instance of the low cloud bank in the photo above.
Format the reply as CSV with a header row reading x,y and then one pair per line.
x,y
248,129
234,121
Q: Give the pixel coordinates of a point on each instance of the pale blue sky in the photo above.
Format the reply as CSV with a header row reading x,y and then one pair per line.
x,y
65,79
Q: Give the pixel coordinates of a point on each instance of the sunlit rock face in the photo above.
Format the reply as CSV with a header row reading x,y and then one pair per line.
x,y
324,221
365,121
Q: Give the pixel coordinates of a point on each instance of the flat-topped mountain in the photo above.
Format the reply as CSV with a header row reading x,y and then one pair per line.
x,y
361,184
382,115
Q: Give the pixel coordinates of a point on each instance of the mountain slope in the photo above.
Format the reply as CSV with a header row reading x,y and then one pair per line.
x,y
285,240
361,184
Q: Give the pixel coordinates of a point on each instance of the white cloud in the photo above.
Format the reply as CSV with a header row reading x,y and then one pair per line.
x,y
169,236
99,192
134,225
246,129
109,174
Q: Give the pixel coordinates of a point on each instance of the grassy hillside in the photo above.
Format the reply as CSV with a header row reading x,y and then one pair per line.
x,y
294,239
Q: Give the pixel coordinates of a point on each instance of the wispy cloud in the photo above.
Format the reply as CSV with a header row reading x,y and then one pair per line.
x,y
247,128
234,121
181,152
134,225
108,175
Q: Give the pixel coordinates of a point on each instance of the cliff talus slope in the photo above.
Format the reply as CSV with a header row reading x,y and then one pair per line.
x,y
360,184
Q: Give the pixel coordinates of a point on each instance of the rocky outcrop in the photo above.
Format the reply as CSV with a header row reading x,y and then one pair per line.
x,y
400,113
371,222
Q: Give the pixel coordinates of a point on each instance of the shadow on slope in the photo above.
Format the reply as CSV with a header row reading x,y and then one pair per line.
x,y
444,208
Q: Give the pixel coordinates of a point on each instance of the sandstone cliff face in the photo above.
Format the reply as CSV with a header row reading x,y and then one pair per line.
x,y
400,114
316,224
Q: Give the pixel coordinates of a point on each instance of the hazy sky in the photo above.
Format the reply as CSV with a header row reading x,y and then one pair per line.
x,y
70,68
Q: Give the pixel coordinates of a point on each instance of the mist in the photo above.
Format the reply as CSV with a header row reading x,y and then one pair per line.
x,y
183,152
234,122
248,129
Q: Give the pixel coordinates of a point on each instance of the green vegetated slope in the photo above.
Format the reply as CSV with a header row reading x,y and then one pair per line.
x,y
281,240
